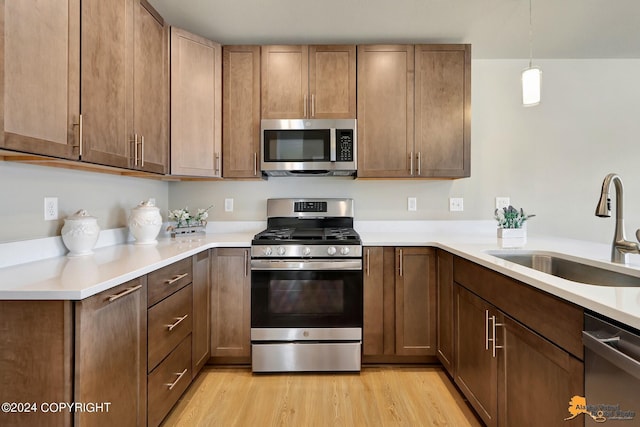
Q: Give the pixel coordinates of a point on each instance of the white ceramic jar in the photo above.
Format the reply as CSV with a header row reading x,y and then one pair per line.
x,y
80,233
145,222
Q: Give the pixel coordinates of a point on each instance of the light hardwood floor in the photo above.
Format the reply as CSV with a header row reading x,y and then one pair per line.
x,y
378,396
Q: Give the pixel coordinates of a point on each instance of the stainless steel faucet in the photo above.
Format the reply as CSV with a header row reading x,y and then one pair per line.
x,y
621,246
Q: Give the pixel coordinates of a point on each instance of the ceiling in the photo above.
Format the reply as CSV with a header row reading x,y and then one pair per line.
x,y
495,28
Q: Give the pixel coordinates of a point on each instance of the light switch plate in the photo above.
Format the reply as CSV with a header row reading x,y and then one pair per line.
x,y
228,205
412,204
456,204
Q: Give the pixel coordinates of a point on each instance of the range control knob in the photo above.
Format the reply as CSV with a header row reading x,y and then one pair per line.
x,y
306,250
267,250
344,250
331,250
281,250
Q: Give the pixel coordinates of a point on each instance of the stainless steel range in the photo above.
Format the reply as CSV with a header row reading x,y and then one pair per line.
x,y
306,288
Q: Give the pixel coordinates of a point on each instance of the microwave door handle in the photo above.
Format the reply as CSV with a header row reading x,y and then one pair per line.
x,y
332,145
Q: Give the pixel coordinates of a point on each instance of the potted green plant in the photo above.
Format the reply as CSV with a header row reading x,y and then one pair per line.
x,y
512,227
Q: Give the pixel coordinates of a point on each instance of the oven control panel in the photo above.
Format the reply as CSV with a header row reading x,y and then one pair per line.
x,y
306,251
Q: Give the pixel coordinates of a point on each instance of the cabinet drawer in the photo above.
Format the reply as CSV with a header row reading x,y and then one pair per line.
x,y
169,322
168,381
162,283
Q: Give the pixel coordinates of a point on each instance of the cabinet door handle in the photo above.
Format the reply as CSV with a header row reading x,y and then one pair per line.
x,y
246,263
141,151
180,375
400,268
486,329
419,163
495,334
411,163
135,149
174,279
178,320
255,164
216,169
304,106
367,263
79,145
124,293
313,105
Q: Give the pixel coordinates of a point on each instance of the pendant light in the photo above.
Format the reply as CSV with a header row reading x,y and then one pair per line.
x,y
531,76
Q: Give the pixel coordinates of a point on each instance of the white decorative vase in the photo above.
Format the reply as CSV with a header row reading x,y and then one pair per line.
x,y
80,233
512,237
145,222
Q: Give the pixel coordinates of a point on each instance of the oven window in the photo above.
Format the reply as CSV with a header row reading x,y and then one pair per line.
x,y
297,145
306,296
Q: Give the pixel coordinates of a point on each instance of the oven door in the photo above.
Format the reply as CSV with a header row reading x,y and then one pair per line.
x,y
306,294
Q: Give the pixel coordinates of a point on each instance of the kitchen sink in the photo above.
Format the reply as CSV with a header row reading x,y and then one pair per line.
x,y
569,269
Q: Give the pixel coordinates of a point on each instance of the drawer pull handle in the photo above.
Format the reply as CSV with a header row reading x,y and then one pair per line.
x,y
180,375
176,278
124,293
178,320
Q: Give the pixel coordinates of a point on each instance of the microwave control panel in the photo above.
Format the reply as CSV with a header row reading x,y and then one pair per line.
x,y
344,142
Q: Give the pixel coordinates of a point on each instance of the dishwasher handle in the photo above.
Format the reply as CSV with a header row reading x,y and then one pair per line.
x,y
611,354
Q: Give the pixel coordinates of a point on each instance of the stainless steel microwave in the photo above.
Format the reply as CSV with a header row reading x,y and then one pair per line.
x,y
308,147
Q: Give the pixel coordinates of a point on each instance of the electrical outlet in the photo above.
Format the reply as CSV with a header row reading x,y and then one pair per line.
x,y
456,204
412,204
228,205
50,208
502,202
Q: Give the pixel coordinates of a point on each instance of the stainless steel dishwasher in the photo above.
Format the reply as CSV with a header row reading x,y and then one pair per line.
x,y
612,372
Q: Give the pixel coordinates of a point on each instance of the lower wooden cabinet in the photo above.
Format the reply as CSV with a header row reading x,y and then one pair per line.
x,y
399,303
230,305
110,355
509,372
200,337
445,336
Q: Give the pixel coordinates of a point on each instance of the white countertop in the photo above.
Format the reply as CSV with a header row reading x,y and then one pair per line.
x,y
62,278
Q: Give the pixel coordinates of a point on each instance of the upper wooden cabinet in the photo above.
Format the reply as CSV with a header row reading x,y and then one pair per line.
x,y
241,111
151,91
443,111
308,82
196,105
41,77
414,106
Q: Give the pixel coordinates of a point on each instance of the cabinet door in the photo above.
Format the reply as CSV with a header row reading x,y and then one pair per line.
x,y
536,374
385,111
374,304
416,302
231,303
332,82
196,105
445,311
476,367
201,344
107,82
150,114
111,341
285,82
241,111
443,110
41,76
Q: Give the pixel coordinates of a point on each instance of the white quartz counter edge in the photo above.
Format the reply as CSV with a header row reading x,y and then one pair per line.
x,y
64,278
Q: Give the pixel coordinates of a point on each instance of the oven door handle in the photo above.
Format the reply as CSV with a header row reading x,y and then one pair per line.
x,y
611,354
338,264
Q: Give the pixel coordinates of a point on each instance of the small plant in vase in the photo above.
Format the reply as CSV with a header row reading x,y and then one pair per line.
x,y
512,231
186,223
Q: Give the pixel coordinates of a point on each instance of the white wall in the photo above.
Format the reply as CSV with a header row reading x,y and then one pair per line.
x,y
107,197
549,159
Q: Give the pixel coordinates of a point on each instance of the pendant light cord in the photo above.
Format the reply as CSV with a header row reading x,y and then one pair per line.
x,y
530,36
